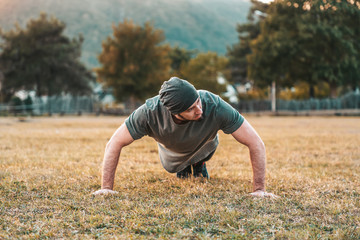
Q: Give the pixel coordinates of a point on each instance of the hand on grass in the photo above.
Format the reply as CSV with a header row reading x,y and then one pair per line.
x,y
104,192
262,194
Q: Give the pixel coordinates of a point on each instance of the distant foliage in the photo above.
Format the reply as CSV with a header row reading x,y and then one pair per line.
x,y
134,63
42,59
179,57
247,32
312,41
301,91
203,71
206,25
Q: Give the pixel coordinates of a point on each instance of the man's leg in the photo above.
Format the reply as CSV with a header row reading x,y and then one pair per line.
x,y
184,173
199,168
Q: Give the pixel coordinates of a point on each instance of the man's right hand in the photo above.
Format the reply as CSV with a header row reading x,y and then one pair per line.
x,y
263,194
104,192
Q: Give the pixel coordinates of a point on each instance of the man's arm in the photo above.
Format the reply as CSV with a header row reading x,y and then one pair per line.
x,y
120,139
247,135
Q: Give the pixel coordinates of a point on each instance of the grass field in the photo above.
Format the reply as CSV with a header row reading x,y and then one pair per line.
x,y
50,166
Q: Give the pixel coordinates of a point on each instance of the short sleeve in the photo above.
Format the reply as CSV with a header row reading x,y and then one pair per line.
x,y
229,119
137,124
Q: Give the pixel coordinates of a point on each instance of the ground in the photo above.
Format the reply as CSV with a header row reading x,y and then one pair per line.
x,y
50,166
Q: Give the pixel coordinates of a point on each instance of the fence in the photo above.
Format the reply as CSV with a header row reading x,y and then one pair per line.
x,y
348,101
53,105
79,105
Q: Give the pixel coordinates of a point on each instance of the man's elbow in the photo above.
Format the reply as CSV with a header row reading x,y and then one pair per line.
x,y
115,144
107,145
111,144
258,146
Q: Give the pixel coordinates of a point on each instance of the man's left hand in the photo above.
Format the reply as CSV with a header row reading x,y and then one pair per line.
x,y
263,194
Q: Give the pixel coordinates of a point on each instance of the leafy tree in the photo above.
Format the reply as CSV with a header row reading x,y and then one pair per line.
x,y
203,70
246,32
134,64
274,47
310,41
178,57
301,91
337,24
41,58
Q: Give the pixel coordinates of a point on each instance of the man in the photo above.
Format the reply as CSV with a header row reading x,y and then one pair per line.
x,y
185,123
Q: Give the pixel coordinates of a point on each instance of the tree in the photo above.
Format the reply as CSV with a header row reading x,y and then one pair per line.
x,y
310,41
337,24
274,47
301,91
179,56
41,58
203,70
248,31
134,64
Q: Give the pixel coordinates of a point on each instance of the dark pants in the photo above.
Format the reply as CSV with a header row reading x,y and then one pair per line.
x,y
206,159
198,168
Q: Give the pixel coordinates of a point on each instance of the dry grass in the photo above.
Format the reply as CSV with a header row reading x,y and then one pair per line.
x,y
49,167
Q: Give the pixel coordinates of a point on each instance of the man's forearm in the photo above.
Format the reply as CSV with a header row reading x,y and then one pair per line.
x,y
258,162
111,159
119,139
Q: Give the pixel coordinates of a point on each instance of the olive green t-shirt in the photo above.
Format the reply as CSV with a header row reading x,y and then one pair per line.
x,y
181,145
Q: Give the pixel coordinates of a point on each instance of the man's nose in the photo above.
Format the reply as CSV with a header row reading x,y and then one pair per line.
x,y
198,109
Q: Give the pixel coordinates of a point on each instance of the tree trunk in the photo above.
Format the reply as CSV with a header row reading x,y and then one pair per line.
x,y
333,90
1,79
273,97
311,91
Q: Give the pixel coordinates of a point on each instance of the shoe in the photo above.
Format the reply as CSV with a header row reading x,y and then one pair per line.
x,y
186,173
200,169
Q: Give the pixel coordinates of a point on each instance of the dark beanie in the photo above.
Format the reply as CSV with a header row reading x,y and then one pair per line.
x,y
177,95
